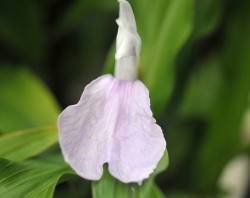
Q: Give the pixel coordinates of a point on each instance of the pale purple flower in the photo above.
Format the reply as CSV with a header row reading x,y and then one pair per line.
x,y
112,123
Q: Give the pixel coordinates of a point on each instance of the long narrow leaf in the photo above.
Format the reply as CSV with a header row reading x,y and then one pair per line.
x,y
25,102
158,63
21,145
34,178
222,140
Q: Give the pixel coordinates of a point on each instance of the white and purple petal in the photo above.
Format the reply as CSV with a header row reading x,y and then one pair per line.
x,y
112,123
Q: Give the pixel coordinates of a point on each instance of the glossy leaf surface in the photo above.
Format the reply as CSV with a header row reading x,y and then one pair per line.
x,y
25,101
34,178
21,145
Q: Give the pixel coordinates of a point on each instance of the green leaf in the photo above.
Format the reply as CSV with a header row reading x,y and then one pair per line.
x,y
112,188
154,192
20,145
21,28
33,178
222,140
208,14
181,195
197,100
158,60
25,101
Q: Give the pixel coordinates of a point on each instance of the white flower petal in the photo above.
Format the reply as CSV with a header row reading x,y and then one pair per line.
x,y
112,123
128,44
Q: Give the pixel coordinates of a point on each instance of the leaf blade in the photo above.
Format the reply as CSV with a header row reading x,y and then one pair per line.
x,y
159,62
34,178
21,145
25,101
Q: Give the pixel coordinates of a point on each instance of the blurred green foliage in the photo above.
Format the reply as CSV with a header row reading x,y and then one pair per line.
x,y
195,60
25,102
22,30
32,178
21,145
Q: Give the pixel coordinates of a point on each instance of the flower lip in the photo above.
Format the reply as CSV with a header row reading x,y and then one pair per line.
x,y
112,123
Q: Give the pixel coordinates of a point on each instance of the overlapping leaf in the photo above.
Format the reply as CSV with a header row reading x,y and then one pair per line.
x,y
21,145
33,178
25,102
158,64
222,140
